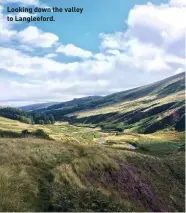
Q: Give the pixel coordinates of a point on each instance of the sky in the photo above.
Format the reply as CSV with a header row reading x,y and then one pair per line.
x,y
113,45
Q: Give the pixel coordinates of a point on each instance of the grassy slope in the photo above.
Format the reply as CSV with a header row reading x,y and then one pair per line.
x,y
145,109
75,173
161,106
38,175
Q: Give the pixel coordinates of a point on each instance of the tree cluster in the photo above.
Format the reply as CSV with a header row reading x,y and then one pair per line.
x,y
42,118
26,117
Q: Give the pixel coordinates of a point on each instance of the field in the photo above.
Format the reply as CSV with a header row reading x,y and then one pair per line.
x,y
62,131
85,169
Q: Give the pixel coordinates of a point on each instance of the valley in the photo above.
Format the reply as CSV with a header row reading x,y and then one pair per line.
x,y
123,152
75,172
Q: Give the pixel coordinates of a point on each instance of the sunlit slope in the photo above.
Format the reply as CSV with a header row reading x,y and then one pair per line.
x,y
41,175
62,132
145,110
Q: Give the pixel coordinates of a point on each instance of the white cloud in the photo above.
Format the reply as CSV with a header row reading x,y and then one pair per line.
x,y
161,24
155,35
100,56
18,62
112,41
180,3
36,37
30,36
6,32
49,90
47,80
113,52
179,70
157,64
51,55
72,50
152,48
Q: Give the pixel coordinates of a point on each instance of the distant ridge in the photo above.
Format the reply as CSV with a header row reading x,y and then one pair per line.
x,y
37,106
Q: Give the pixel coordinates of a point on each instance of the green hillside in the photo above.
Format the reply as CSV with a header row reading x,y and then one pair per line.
x,y
145,109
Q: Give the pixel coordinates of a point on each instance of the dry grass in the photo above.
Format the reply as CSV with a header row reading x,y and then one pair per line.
x,y
61,131
39,175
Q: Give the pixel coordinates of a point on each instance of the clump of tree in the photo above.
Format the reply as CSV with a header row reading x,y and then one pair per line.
x,y
39,133
42,118
16,114
119,127
26,117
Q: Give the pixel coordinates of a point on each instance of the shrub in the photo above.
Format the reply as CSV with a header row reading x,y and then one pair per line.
x,y
41,134
25,132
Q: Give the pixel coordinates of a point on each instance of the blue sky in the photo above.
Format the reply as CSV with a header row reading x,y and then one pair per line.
x,y
113,45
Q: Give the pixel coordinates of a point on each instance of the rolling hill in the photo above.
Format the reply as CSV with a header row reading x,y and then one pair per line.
x,y
37,106
145,109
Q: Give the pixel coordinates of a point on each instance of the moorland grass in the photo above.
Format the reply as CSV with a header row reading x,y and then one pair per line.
x,y
41,175
76,173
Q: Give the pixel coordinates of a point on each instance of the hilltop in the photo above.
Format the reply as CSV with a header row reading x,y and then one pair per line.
x,y
37,106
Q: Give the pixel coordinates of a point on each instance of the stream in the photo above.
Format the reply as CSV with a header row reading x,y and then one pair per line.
x,y
126,145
